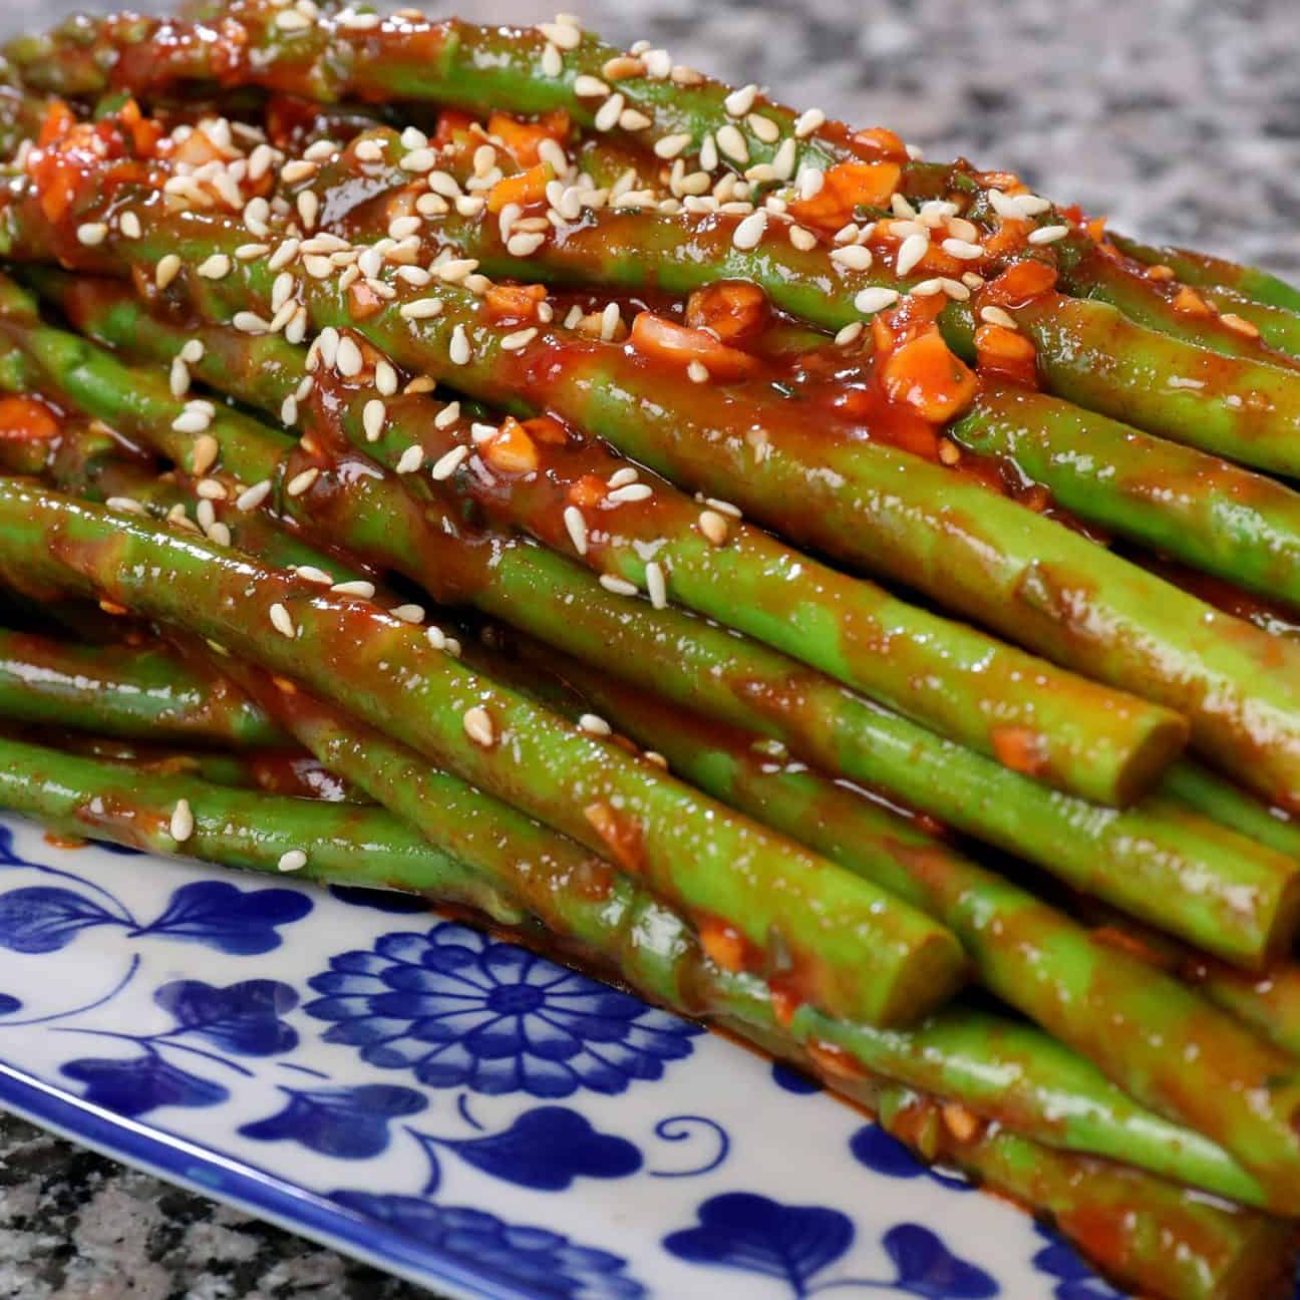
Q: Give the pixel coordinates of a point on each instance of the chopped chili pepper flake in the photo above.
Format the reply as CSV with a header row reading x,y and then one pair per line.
x,y
27,419
925,375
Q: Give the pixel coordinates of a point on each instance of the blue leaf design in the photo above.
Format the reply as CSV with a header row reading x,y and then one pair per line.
x,y
1076,1281
926,1267
241,922
142,1083
792,1080
547,1148
243,1018
522,1259
741,1230
44,918
9,1004
884,1154
347,1123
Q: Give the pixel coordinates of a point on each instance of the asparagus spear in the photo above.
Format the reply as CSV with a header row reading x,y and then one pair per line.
x,y
1215,272
179,814
1223,893
57,683
1225,803
1014,1072
846,944
1102,1002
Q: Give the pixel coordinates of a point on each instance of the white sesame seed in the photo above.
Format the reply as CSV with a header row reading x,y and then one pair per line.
x,y
92,233
313,574
714,526
808,121
210,489
629,493
445,184
588,87
912,250
191,420
669,146
308,209
249,322
410,460
482,433
294,859
708,153
739,102
127,505
853,257
204,453
408,613
749,232
283,255
632,119
732,143
564,36
252,497
1048,234
168,268
289,410
385,377
182,821
348,360
435,636
219,533
804,240
193,352
764,128
622,477
372,419
300,482
656,587
178,378
215,267
594,725
282,621
446,465
998,316
519,339
576,527
875,298
963,249
552,62
420,309
260,162
607,115
129,224
299,169
459,349
355,587
369,150
697,372
928,288
290,20
849,334
619,586
478,726
206,513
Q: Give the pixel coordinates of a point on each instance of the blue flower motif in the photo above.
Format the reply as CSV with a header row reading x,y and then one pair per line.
x,y
138,1084
927,1268
348,1123
789,1079
543,1263
883,1153
9,1004
1076,1281
46,918
462,1010
242,922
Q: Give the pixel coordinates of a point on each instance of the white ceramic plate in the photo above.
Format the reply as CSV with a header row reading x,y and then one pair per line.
x,y
453,1109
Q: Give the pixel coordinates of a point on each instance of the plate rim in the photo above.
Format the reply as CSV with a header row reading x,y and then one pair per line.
x,y
244,1186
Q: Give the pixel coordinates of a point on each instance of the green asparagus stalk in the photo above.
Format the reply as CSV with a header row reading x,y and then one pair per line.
x,y
1019,1075
181,815
1220,892
1225,803
1092,742
60,684
842,942
1145,1030
1215,273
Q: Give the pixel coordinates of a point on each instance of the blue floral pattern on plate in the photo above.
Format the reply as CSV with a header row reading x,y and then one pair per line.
x,y
454,1108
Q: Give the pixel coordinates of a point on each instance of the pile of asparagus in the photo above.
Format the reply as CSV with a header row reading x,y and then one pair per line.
x,y
786,576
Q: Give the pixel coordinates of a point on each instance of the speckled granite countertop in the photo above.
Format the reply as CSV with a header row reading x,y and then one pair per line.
x,y
1180,118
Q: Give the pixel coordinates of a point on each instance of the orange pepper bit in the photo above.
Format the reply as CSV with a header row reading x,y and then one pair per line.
x,y
1019,748
924,375
846,187
723,944
510,450
26,419
732,309
523,139
831,1058
547,430
656,336
588,491
1020,284
1190,303
620,834
963,1124
882,142
363,301
1007,353
58,121
453,127
526,188
1160,273
514,304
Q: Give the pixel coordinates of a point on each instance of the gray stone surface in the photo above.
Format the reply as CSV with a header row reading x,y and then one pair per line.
x,y
1179,118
